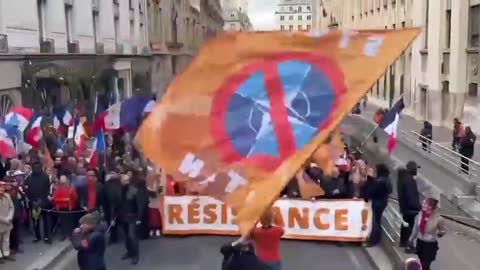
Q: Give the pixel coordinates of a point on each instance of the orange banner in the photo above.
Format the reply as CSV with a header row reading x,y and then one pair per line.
x,y
329,220
253,107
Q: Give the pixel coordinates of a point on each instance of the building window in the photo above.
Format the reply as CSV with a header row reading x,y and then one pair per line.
x,y
282,18
309,8
309,26
282,27
290,17
232,15
299,17
473,90
290,8
299,9
426,24
116,24
290,27
96,32
309,17
68,22
41,12
474,26
449,28
299,28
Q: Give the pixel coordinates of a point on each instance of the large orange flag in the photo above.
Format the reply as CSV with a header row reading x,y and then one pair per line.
x,y
253,107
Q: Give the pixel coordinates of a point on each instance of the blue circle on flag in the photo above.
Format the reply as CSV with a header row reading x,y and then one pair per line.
x,y
276,108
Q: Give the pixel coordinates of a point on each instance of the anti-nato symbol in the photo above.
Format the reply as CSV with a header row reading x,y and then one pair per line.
x,y
267,111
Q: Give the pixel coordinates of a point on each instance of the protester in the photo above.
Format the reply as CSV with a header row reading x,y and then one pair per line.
x,y
267,242
240,256
426,136
427,229
94,190
130,217
6,217
113,202
377,190
38,190
409,200
334,186
65,201
18,203
90,242
458,132
154,189
358,177
467,149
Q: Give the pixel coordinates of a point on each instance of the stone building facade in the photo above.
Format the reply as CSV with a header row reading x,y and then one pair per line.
x,y
294,15
438,76
64,52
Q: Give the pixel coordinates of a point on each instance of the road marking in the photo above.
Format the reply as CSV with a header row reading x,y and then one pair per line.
x,y
354,258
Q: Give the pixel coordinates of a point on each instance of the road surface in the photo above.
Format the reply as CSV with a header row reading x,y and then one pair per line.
x,y
202,253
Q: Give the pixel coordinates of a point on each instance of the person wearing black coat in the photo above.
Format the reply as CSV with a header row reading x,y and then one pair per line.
x,y
130,217
467,149
90,242
426,136
334,186
408,199
240,257
112,192
377,190
37,187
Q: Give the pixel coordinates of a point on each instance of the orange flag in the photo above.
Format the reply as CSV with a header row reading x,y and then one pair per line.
x,y
252,108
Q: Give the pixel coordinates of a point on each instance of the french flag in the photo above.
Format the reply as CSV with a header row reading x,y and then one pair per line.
x,y
99,146
7,148
62,118
390,124
19,117
79,136
35,135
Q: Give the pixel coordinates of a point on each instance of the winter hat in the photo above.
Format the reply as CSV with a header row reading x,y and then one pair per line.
x,y
90,219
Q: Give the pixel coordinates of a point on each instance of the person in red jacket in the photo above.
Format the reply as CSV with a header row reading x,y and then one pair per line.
x,y
65,201
267,242
93,189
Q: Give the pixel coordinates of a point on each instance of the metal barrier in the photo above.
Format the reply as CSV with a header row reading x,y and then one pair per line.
x,y
392,222
444,154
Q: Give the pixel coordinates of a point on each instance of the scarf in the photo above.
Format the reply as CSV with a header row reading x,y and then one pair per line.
x,y
424,221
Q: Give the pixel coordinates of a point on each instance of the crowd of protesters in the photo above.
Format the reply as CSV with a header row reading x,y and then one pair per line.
x,y
48,200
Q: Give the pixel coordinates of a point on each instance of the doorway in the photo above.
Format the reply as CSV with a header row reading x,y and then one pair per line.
x,y
445,100
423,103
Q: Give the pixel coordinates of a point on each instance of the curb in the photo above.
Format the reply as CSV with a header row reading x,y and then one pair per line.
x,y
51,258
378,258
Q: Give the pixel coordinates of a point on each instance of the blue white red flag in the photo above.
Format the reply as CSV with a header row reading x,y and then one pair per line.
x,y
390,124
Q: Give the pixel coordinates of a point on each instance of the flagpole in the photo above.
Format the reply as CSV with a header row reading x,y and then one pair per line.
x,y
378,125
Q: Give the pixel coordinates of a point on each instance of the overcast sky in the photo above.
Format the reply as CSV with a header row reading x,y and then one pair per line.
x,y
261,13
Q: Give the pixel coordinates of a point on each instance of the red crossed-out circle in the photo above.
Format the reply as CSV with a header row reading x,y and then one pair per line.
x,y
278,110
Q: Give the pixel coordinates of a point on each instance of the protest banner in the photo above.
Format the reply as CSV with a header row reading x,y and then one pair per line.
x,y
329,220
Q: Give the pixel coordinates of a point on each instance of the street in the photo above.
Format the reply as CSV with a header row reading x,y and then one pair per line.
x,y
202,253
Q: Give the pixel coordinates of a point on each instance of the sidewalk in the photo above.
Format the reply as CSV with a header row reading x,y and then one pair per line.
x,y
38,256
441,135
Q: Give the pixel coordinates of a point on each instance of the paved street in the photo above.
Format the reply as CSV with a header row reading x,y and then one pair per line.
x,y
202,253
